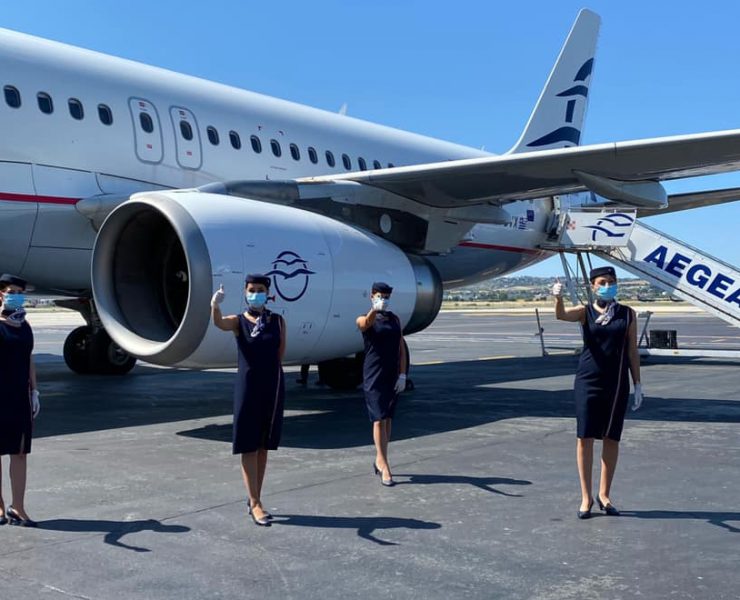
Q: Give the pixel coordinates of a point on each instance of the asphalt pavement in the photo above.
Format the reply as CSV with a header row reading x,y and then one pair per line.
x,y
138,496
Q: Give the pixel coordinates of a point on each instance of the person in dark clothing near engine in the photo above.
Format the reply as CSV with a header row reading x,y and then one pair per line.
x,y
260,388
19,399
602,382
384,372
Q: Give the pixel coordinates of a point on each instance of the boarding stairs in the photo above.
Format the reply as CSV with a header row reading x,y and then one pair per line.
x,y
668,263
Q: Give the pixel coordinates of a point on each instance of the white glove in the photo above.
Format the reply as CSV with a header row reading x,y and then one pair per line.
x,y
401,383
557,289
637,399
35,404
219,296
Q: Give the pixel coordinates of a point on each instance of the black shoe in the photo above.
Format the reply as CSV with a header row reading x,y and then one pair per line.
x,y
267,516
263,522
385,482
609,509
15,519
3,520
586,514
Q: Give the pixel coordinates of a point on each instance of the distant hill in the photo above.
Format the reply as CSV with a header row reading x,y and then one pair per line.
x,y
503,289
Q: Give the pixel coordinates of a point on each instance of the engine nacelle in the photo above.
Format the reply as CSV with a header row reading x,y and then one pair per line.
x,y
159,256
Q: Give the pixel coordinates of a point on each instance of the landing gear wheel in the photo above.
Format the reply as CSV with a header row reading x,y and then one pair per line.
x,y
342,373
90,352
76,350
109,358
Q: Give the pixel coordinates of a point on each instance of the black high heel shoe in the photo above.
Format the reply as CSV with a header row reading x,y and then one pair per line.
x,y
16,519
586,514
609,509
3,519
263,522
268,516
385,482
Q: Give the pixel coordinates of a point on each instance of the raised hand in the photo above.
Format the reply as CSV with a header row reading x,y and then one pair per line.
x,y
219,296
557,289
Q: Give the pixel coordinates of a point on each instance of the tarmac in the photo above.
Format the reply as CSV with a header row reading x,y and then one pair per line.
x,y
138,496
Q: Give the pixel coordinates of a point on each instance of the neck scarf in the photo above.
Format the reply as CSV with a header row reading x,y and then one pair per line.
x,y
15,317
259,324
608,314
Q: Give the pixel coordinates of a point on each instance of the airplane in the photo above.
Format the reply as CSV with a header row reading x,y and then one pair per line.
x,y
131,193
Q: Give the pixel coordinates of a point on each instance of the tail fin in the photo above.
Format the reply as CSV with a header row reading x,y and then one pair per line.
x,y
557,119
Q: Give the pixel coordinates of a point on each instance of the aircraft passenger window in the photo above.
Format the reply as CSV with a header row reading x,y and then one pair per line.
x,y
46,105
347,162
75,109
312,156
105,114
146,122
256,144
295,152
186,130
330,158
213,135
276,150
12,96
377,165
236,141
361,162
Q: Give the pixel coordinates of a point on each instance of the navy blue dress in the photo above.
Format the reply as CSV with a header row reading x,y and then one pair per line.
x,y
260,386
16,420
602,379
381,366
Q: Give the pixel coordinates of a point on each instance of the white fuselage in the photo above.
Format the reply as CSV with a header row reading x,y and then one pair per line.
x,y
49,159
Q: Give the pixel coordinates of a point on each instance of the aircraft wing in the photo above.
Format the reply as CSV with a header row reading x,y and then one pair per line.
x,y
689,200
503,179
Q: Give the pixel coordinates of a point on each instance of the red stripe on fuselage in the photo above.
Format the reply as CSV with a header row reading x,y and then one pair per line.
x,y
5,196
501,248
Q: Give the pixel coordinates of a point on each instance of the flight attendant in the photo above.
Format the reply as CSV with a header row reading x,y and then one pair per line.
x,y
384,372
19,399
601,384
260,388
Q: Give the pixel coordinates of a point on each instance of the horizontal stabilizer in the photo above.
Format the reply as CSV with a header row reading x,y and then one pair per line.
x,y
689,200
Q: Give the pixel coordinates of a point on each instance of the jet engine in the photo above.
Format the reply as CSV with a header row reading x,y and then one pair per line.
x,y
159,256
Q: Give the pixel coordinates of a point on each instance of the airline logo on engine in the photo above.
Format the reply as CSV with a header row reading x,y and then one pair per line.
x,y
290,275
696,274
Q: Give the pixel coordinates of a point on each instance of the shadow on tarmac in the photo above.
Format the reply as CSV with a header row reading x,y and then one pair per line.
x,y
483,483
113,530
365,526
720,519
448,397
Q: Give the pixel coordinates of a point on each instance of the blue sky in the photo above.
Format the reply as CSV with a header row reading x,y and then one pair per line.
x,y
468,72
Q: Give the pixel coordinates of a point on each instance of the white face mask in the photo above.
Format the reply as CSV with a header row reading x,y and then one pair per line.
x,y
380,303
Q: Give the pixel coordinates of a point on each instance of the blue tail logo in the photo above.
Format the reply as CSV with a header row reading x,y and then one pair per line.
x,y
290,275
568,133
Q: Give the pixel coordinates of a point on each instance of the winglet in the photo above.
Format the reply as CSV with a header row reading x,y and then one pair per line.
x,y
557,118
